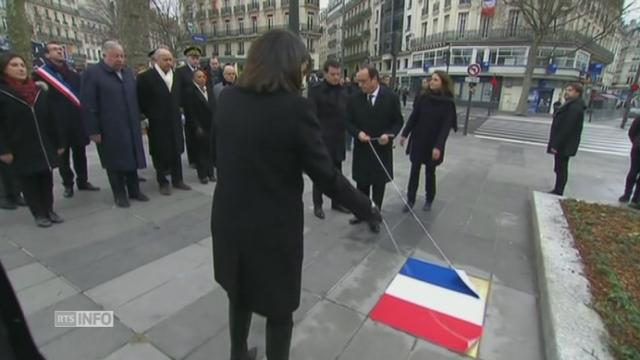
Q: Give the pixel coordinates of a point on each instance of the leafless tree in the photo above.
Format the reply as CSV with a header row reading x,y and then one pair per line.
x,y
164,23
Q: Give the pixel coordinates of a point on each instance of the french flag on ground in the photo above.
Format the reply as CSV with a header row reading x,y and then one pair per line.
x,y
435,303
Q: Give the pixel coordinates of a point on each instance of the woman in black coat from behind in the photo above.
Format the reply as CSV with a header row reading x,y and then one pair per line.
x,y
30,139
267,136
433,116
200,107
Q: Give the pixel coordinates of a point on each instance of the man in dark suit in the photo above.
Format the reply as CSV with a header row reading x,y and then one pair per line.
x,y
330,100
63,94
159,98
185,75
566,130
213,71
373,118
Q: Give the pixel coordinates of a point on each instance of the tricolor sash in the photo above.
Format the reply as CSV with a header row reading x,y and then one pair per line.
x,y
55,80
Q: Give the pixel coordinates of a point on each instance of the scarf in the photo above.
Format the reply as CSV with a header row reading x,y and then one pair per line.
x,y
168,77
439,95
63,69
27,90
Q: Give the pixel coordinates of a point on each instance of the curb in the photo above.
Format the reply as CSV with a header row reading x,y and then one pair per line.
x,y
570,328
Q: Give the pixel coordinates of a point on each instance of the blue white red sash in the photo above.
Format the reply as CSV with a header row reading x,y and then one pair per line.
x,y
57,82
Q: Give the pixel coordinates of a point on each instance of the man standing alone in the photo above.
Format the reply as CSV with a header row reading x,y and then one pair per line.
x,y
329,100
64,89
373,118
566,130
110,111
159,99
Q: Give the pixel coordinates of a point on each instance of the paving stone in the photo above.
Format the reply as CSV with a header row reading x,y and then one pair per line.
x,y
15,259
138,351
325,332
362,288
427,351
375,341
307,302
192,326
29,275
87,343
44,294
215,348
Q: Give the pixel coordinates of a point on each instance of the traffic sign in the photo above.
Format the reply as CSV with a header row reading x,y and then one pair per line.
x,y
199,37
474,69
472,79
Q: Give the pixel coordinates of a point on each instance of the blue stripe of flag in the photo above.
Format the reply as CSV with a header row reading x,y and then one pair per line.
x,y
434,274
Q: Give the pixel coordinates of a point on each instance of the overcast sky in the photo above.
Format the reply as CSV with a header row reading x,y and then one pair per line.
x,y
635,7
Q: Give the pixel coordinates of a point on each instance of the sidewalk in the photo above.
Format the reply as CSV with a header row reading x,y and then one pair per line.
x,y
151,263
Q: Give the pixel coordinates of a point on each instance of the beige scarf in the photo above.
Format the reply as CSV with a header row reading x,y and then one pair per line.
x,y
168,77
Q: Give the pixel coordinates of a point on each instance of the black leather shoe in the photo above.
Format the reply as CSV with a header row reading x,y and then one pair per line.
x,y
122,202
374,226
141,179
318,212
204,180
340,208
181,186
624,198
354,221
213,178
427,206
55,218
7,204
68,192
165,190
20,201
43,222
139,197
88,187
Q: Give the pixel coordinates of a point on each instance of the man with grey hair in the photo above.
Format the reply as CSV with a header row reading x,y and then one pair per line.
x,y
228,78
110,112
159,97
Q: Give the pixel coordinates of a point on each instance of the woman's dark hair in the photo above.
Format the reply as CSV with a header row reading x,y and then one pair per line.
x,y
5,59
274,63
447,83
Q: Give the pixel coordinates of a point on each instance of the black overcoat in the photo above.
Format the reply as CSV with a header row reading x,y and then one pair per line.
x,y
429,125
66,112
201,112
330,103
385,117
162,108
110,109
31,134
566,128
264,143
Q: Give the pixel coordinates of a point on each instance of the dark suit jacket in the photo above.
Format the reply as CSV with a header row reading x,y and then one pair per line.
x,y
566,128
330,104
162,108
385,117
201,112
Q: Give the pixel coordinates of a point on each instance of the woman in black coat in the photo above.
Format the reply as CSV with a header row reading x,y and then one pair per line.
x,y
433,117
267,136
30,140
200,106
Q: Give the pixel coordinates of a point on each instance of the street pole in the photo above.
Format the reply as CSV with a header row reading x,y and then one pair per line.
x,y
294,16
448,56
627,104
466,119
393,49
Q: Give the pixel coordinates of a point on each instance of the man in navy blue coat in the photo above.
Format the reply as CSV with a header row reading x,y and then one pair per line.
x,y
111,114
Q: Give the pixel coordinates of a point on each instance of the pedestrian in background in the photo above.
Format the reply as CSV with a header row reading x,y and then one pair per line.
x,y
213,71
228,78
267,137
185,78
633,178
110,111
30,139
433,117
201,108
564,137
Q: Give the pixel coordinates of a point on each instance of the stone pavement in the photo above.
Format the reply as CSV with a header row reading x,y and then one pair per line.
x,y
151,263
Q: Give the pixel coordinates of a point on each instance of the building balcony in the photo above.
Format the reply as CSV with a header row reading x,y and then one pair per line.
x,y
313,31
425,12
253,7
310,29
436,12
312,3
213,14
284,4
511,37
464,4
332,44
357,57
239,9
225,11
55,5
356,38
359,17
63,39
268,5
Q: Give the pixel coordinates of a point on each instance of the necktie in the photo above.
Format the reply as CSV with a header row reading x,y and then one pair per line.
x,y
371,99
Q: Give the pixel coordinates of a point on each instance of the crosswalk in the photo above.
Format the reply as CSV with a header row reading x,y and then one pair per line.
x,y
595,138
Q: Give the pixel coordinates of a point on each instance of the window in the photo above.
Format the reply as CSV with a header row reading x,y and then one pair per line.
x,y
377,16
512,22
447,5
416,61
216,49
561,57
485,25
508,56
435,26
582,60
227,27
310,21
464,2
227,49
445,24
241,48
254,24
214,28
461,56
409,23
406,63
434,57
462,23
409,6
310,45
286,18
480,56
424,29
269,21
241,26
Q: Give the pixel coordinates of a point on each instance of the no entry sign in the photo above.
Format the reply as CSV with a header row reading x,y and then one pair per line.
x,y
474,69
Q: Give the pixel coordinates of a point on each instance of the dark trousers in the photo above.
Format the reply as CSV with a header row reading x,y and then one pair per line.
x,y
317,193
204,165
429,185
191,140
632,177
561,168
10,186
123,181
378,192
279,332
38,192
173,168
79,165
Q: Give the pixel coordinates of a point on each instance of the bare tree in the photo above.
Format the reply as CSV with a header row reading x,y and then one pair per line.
x,y
164,23
544,18
19,29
